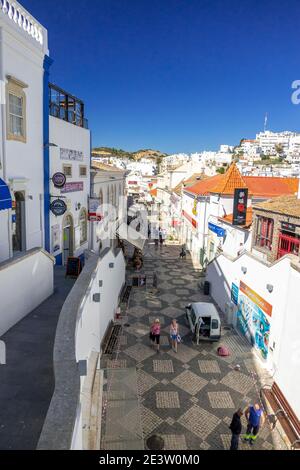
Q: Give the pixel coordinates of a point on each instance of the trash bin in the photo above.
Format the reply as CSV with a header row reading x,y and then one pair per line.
x,y
206,288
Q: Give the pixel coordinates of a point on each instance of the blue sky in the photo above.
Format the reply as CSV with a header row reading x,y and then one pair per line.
x,y
176,75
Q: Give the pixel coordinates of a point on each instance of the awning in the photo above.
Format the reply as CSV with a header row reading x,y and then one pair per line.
x,y
132,236
5,196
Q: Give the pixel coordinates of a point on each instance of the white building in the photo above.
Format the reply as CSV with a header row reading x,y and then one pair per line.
x,y
109,202
70,154
269,141
23,48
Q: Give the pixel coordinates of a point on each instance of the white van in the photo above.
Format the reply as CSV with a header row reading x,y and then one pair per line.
x,y
204,321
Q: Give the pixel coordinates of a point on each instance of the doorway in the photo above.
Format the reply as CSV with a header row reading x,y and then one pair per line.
x,y
68,229
19,234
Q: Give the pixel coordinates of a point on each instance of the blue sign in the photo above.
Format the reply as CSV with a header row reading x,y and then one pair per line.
x,y
14,218
58,207
216,229
235,294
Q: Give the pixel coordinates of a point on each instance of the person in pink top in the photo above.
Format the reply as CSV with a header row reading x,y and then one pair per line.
x,y
155,334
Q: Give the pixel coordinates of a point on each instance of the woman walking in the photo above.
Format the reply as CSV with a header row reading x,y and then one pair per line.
x,y
174,335
155,334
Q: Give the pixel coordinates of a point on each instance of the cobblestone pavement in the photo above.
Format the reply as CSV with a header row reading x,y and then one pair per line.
x,y
188,398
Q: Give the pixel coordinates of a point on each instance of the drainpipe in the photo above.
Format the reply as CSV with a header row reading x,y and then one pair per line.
x,y
3,138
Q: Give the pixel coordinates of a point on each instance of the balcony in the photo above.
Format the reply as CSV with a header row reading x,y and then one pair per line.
x,y
67,107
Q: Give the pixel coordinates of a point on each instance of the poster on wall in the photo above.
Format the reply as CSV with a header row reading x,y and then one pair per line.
x,y
55,239
254,319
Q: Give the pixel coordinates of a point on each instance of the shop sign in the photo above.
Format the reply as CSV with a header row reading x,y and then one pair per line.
x,y
240,206
288,227
94,206
72,187
216,229
58,207
74,155
59,180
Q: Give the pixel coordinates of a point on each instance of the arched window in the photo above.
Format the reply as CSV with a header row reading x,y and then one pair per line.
x,y
83,226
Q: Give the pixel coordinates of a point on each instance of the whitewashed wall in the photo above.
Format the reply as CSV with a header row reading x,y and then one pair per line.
x,y
24,284
95,317
68,136
22,57
284,360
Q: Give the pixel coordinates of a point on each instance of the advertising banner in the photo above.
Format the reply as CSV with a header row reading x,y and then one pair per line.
x,y
254,319
240,206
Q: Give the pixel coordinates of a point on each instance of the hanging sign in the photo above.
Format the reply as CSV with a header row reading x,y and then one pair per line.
x,y
58,207
240,206
59,180
72,187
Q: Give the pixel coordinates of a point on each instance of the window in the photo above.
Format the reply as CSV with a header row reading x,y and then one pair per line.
x,y
82,171
264,232
16,110
67,170
67,107
83,226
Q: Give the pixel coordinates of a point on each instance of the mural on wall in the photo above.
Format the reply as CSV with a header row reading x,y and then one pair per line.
x,y
253,319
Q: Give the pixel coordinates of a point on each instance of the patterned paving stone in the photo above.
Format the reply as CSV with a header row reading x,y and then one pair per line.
x,y
169,298
190,382
267,446
238,381
172,312
226,441
145,382
174,442
204,446
183,330
123,340
150,420
167,400
138,312
165,382
170,421
178,282
138,329
199,421
154,304
164,341
209,367
214,382
165,367
116,364
220,400
139,352
182,292
184,354
194,400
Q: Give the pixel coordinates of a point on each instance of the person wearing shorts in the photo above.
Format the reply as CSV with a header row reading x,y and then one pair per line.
x,y
255,419
155,334
174,333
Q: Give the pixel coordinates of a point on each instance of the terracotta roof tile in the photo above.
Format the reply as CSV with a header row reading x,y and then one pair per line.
x,y
228,218
231,180
287,205
261,186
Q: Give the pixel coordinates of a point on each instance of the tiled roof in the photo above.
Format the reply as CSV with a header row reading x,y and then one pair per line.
x,y
231,180
206,186
287,205
104,167
228,218
259,186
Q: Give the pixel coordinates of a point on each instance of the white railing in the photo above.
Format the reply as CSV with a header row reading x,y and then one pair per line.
x,y
20,16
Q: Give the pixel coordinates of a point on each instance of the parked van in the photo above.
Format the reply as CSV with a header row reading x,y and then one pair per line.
x,y
204,321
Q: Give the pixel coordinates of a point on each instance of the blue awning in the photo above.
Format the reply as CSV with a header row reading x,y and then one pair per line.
x,y
5,196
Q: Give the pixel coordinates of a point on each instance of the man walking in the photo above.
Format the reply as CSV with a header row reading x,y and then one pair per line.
x,y
255,418
236,429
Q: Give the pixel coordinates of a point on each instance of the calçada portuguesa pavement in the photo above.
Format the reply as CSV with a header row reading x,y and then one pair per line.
x,y
187,398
